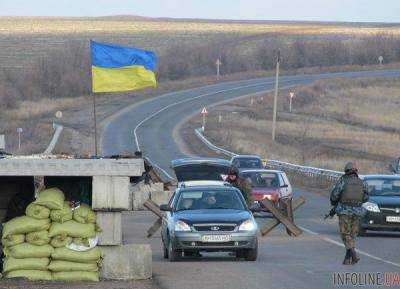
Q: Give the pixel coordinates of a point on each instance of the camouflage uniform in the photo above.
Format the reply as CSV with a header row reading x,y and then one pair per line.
x,y
349,216
244,186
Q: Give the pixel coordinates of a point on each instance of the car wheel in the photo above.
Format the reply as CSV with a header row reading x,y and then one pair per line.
x,y
173,255
251,254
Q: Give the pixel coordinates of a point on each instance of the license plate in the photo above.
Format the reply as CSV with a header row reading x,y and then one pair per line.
x,y
216,238
393,219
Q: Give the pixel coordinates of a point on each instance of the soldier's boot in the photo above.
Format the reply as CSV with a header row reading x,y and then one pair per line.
x,y
354,257
347,258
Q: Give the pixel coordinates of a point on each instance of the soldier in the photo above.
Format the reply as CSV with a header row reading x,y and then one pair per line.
x,y
347,196
242,184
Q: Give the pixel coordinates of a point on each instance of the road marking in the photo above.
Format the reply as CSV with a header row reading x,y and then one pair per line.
x,y
187,100
326,239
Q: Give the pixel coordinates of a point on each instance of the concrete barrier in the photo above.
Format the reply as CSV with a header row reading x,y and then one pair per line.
x,y
111,226
126,262
111,193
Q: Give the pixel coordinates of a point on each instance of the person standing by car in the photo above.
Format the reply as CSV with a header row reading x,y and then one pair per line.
x,y
348,195
242,184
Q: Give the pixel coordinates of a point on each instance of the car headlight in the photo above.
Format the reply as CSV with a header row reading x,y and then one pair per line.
x,y
372,207
181,226
247,225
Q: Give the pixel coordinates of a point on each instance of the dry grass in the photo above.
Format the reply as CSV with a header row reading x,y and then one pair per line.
x,y
334,121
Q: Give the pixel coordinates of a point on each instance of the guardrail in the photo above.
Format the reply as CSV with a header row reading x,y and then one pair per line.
x,y
57,132
329,175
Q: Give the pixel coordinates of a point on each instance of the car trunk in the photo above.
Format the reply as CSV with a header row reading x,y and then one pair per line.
x,y
200,172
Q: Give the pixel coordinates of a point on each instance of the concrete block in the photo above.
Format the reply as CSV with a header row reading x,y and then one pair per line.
x,y
140,193
160,197
126,262
111,193
110,224
156,187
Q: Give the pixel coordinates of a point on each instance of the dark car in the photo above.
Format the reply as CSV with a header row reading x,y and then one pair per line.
x,y
208,218
269,184
200,169
247,162
383,206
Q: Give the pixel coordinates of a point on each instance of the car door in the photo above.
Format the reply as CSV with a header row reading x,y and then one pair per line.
x,y
286,191
167,218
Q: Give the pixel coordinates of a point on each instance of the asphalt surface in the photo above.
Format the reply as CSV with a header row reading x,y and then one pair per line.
x,y
307,261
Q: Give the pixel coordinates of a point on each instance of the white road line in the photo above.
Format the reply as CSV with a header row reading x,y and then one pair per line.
x,y
187,100
326,239
180,102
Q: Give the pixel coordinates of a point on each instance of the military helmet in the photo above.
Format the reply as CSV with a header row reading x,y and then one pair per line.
x,y
350,167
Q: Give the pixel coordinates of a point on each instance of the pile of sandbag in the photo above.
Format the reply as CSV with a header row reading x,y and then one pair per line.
x,y
53,241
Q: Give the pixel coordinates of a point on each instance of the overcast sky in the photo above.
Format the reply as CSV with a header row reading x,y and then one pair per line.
x,y
323,10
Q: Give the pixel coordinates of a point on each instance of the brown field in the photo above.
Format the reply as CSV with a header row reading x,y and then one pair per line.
x,y
23,39
44,62
334,121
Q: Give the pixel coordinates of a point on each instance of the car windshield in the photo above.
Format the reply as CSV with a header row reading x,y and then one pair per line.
x,y
249,163
262,179
209,199
383,187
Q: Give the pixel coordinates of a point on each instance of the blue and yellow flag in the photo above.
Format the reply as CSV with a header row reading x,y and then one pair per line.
x,y
116,68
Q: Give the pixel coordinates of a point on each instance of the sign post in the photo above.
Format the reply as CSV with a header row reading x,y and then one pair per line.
x,y
218,64
204,113
291,95
19,131
380,59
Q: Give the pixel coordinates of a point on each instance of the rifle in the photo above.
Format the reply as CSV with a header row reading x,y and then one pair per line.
x,y
331,213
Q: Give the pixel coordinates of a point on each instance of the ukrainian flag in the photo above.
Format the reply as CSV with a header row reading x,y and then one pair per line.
x,y
116,68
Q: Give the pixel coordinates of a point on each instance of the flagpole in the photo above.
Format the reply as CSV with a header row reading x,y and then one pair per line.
x,y
95,124
94,112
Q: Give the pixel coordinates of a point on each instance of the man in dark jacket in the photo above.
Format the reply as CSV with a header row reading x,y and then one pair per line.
x,y
348,195
242,184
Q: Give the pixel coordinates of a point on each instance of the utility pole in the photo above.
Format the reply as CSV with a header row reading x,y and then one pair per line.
x,y
278,60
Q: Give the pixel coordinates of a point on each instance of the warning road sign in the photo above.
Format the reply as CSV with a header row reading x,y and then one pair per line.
x,y
204,111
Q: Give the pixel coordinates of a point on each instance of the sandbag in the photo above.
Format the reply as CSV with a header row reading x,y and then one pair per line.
x,y
12,264
84,214
81,241
67,266
24,224
66,254
63,215
38,238
76,276
72,229
26,250
60,241
52,198
37,211
32,275
12,240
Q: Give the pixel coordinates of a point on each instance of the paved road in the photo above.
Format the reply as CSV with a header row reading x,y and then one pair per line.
x,y
304,262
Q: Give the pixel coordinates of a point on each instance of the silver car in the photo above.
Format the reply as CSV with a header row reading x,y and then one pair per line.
x,y
209,218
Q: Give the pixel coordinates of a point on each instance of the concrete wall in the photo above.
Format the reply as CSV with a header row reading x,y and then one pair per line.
x,y
110,224
111,193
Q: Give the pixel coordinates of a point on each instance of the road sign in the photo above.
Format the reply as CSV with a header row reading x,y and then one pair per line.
x,y
59,114
19,130
380,59
204,111
291,94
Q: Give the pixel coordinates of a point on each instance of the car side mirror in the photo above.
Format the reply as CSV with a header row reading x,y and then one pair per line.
x,y
165,208
392,169
255,207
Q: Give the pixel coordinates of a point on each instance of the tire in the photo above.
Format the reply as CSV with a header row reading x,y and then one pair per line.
x,y
173,254
251,254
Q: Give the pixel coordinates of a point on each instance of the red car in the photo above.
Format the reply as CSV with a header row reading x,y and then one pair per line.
x,y
269,184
